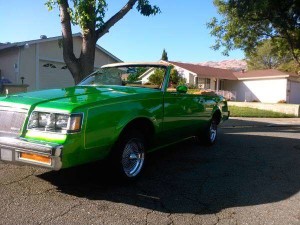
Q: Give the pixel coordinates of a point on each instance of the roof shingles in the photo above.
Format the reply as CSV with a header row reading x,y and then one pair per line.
x,y
210,72
206,71
269,73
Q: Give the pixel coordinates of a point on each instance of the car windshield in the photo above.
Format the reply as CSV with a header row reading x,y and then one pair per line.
x,y
136,76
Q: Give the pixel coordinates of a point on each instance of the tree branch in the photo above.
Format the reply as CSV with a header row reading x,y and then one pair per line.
x,y
67,39
65,20
115,18
290,42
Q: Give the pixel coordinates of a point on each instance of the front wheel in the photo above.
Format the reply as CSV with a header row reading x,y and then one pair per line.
x,y
212,132
129,155
209,135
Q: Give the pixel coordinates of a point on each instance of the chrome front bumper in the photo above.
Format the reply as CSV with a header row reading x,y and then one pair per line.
x,y
11,150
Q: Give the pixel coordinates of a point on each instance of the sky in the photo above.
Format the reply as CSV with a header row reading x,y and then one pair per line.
x,y
180,28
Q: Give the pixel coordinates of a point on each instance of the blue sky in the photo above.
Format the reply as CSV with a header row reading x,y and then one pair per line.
x,y
180,29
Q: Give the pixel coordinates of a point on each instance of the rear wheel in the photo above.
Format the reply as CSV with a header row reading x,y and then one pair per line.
x,y
129,155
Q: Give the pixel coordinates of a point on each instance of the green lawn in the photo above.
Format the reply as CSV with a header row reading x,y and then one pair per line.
x,y
236,111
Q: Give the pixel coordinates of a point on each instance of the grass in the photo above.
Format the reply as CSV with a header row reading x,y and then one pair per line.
x,y
236,111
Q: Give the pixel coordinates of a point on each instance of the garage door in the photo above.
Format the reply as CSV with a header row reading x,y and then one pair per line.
x,y
54,75
294,93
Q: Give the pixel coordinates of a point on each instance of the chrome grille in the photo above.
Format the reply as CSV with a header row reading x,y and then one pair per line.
x,y
11,123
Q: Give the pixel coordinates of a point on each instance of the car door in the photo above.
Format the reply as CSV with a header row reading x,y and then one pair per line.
x,y
183,115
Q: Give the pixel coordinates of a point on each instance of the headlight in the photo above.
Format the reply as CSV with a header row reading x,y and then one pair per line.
x,y
55,122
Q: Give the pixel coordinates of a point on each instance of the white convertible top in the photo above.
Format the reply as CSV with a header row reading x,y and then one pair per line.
x,y
128,64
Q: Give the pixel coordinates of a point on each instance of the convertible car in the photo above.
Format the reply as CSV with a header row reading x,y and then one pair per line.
x,y
106,117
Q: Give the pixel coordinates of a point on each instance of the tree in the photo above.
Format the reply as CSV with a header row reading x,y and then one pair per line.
x,y
291,66
246,23
266,56
135,75
90,16
164,55
175,77
157,77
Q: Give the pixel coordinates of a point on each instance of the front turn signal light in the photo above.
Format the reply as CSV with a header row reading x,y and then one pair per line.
x,y
74,124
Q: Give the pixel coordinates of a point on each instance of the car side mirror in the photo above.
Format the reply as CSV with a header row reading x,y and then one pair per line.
x,y
181,89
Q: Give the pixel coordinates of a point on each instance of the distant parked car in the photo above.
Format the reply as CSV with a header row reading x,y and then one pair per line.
x,y
105,117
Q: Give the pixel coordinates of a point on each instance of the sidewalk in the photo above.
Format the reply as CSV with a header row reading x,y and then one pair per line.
x,y
254,122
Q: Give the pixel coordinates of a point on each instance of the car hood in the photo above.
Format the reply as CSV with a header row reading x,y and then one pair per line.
x,y
69,98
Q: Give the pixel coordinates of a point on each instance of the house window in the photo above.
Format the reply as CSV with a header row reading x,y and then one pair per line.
x,y
49,65
221,87
207,83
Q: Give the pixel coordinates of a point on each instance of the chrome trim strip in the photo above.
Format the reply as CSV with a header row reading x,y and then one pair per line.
x,y
16,146
13,109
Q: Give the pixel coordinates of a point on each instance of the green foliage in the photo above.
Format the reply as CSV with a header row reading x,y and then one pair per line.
x,y
266,56
146,9
157,77
164,55
176,78
134,76
90,16
86,12
290,66
246,23
83,12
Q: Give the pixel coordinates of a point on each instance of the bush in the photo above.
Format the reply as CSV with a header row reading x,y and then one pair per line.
x,y
157,77
192,86
282,101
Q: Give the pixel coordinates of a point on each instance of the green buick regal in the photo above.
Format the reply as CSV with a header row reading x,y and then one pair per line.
x,y
106,117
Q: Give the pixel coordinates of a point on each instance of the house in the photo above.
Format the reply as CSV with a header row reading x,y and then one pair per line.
x,y
268,86
145,76
204,77
195,75
41,64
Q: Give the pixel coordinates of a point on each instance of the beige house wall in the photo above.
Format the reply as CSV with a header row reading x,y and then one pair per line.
x,y
53,51
101,59
29,62
27,66
9,59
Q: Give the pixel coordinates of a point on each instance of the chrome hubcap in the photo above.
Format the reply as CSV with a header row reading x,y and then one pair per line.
x,y
213,131
133,157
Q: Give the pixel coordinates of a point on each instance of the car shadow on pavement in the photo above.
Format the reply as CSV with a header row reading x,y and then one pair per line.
x,y
247,166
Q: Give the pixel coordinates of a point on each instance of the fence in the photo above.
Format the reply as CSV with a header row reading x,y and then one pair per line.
x,y
229,95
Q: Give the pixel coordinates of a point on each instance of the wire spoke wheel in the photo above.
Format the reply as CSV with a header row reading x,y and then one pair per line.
x,y
209,134
133,157
213,131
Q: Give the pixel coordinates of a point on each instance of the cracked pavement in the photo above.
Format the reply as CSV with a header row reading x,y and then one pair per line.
x,y
251,176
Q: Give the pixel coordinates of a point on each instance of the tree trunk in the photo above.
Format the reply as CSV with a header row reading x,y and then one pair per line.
x,y
84,65
68,53
87,56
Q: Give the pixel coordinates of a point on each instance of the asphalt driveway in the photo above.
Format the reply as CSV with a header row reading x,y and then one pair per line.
x,y
251,176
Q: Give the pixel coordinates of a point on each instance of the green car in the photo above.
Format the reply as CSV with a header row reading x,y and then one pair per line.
x,y
106,117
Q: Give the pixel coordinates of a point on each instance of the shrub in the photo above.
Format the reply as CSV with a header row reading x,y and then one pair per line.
x,y
282,101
